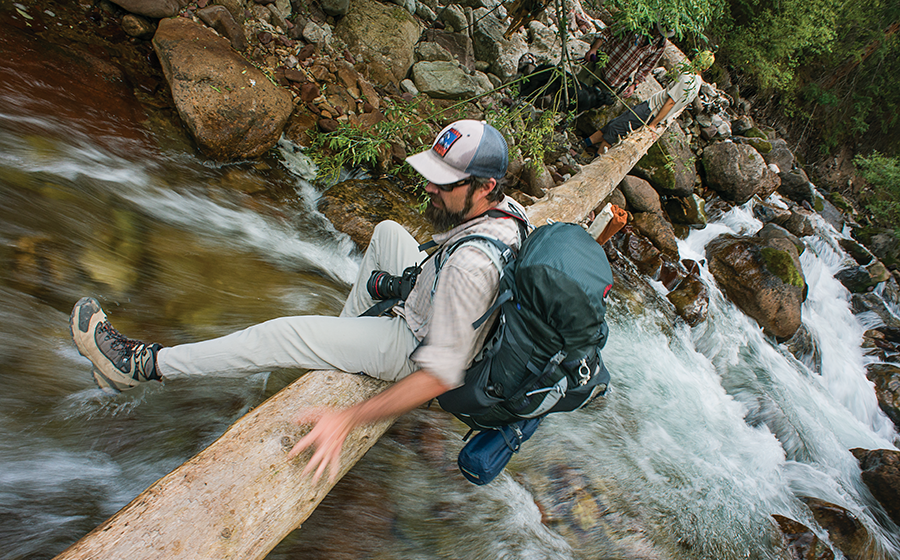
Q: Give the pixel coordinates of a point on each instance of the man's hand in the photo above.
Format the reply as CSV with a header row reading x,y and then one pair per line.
x,y
591,55
328,435
333,426
629,91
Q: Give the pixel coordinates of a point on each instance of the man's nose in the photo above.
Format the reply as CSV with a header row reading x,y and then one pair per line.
x,y
431,188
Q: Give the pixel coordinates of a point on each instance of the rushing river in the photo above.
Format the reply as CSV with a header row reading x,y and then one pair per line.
x,y
704,435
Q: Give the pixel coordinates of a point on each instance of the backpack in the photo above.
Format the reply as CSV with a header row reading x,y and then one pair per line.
x,y
543,354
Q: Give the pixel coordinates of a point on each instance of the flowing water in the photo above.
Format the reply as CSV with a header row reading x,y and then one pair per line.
x,y
704,435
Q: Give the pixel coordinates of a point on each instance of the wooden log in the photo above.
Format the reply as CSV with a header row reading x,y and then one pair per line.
x,y
238,498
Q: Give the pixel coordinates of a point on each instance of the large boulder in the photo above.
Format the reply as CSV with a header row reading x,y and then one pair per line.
x,y
691,300
737,172
382,34
796,186
687,211
444,80
881,473
152,8
762,277
459,45
229,106
669,164
780,155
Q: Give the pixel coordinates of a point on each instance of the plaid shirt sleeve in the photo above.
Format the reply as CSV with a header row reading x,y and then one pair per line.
x,y
652,59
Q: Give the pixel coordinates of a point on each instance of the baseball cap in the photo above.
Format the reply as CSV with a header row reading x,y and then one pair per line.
x,y
463,149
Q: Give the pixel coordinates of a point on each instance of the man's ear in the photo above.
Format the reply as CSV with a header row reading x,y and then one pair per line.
x,y
489,185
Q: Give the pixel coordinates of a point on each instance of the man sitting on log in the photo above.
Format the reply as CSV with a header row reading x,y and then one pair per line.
x,y
425,345
661,105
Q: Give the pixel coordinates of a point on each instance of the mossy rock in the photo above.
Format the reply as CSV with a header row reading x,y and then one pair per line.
x,y
757,133
839,202
762,146
781,264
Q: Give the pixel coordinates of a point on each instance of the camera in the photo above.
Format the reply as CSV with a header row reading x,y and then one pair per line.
x,y
382,285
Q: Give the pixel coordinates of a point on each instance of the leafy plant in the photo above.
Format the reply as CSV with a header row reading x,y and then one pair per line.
x,y
882,173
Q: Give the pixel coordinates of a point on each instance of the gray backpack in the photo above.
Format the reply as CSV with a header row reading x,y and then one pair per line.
x,y
543,355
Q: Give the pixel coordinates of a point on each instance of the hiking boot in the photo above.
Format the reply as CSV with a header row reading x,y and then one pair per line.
x,y
120,363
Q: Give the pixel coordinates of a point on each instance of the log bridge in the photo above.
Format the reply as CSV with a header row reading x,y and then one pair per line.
x,y
239,497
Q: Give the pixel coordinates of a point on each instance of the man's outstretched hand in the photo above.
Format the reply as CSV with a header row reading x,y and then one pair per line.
x,y
328,435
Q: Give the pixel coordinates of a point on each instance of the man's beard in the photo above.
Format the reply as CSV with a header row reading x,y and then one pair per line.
x,y
443,219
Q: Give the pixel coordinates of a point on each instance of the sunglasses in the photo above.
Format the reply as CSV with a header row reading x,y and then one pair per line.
x,y
450,186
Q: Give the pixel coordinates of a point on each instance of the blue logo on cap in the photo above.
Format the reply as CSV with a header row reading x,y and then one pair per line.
x,y
446,141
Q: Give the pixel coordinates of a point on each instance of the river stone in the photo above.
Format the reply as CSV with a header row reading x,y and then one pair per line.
x,y
688,211
152,8
780,155
380,33
737,172
641,197
230,107
220,19
659,231
669,164
845,530
356,206
762,277
691,300
886,378
459,45
796,186
138,27
444,80
881,473
857,252
769,213
798,222
638,250
536,179
803,346
859,279
801,542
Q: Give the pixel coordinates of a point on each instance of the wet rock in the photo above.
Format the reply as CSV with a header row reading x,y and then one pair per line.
x,y
444,80
659,231
230,107
801,542
641,197
871,303
638,250
152,8
741,125
669,164
846,532
356,206
763,278
796,186
798,223
856,251
737,172
138,27
299,125
881,473
691,300
803,346
688,211
771,231
769,213
760,145
886,378
859,279
220,19
381,33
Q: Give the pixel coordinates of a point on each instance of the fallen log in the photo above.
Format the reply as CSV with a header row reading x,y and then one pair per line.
x,y
238,498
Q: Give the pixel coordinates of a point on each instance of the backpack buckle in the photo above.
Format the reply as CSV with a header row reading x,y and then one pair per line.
x,y
584,372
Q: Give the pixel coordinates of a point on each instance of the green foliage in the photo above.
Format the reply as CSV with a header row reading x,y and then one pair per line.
x,y
684,17
768,40
883,195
